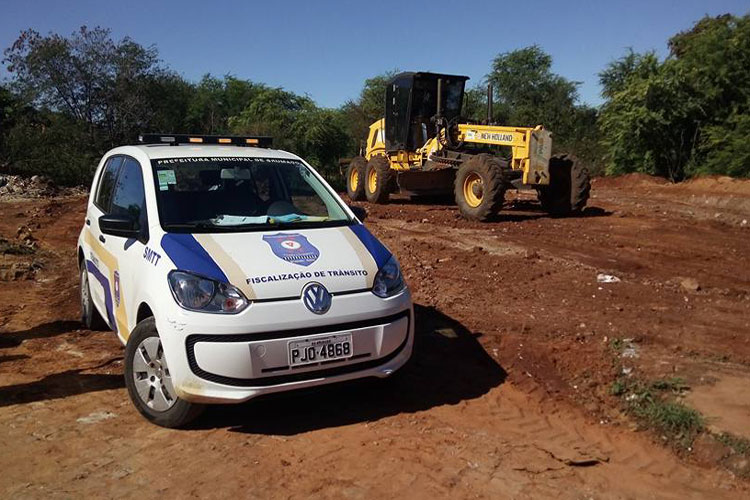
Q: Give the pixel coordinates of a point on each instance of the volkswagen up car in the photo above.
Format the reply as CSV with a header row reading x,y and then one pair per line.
x,y
231,270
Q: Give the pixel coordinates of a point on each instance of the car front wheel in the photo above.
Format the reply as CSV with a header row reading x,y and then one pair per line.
x,y
149,381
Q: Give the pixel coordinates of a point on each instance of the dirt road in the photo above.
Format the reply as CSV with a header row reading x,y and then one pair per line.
x,y
509,392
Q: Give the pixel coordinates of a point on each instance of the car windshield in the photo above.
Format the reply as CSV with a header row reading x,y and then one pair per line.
x,y
221,194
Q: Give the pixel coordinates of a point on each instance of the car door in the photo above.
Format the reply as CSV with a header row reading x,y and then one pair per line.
x,y
128,199
96,260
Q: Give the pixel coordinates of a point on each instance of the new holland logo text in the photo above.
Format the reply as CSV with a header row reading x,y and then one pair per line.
x,y
496,137
292,247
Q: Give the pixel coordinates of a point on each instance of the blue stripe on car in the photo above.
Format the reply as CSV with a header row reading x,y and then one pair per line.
x,y
188,255
91,268
378,251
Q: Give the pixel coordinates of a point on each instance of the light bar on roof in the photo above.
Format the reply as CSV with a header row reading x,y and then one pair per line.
x,y
228,140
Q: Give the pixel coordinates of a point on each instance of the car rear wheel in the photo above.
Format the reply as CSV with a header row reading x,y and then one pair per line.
x,y
149,381
90,317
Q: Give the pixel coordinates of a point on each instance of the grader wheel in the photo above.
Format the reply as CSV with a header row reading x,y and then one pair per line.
x,y
568,189
479,188
378,180
355,179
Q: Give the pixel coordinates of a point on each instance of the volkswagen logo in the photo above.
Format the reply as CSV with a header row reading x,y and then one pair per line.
x,y
316,298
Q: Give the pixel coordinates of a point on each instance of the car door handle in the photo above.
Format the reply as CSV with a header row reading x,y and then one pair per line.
x,y
101,238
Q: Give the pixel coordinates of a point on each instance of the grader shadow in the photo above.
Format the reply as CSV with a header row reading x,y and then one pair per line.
x,y
448,366
517,210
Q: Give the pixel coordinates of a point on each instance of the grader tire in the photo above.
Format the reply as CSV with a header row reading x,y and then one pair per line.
x,y
379,180
355,179
568,189
479,188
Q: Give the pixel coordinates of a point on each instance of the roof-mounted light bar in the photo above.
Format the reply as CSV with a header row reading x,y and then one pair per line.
x,y
234,140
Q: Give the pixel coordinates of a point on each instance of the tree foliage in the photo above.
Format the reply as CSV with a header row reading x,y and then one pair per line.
x,y
296,124
86,93
685,115
71,98
529,93
115,88
215,100
360,113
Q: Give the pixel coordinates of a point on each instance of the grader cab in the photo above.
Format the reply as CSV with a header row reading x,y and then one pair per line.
x,y
424,146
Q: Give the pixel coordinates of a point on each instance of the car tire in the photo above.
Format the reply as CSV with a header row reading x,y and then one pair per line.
x,y
90,317
355,179
149,382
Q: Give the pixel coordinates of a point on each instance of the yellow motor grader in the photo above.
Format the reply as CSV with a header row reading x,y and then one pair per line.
x,y
422,146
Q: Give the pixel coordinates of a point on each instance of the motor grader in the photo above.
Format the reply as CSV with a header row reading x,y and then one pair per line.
x,y
423,146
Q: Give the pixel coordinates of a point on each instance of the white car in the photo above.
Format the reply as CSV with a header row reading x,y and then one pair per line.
x,y
231,270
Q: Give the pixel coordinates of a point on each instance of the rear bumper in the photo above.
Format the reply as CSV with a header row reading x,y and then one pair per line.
x,y
231,366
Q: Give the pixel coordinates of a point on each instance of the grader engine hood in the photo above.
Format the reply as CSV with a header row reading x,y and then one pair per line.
x,y
540,151
532,148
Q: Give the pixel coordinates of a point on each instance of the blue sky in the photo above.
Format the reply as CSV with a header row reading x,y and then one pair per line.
x,y
326,49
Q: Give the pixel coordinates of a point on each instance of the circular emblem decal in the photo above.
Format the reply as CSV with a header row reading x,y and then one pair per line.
x,y
291,245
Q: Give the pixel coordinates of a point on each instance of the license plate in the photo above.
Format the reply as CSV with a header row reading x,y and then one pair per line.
x,y
317,350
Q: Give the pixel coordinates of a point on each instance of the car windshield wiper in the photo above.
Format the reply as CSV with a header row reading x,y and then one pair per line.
x,y
277,224
189,225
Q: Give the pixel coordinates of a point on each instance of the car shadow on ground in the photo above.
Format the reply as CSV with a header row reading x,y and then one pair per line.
x,y
61,385
45,330
448,366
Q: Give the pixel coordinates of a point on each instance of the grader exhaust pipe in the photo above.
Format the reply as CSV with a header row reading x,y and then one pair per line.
x,y
489,104
439,112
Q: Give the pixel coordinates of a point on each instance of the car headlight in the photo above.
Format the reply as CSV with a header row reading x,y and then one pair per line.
x,y
388,281
197,293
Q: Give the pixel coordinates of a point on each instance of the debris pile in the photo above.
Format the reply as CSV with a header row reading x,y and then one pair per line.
x,y
14,256
36,186
19,271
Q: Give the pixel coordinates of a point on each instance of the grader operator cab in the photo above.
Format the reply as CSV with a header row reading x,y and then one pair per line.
x,y
424,146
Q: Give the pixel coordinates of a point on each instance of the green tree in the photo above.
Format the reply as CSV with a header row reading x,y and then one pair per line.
x,y
271,112
87,84
296,124
48,143
215,100
117,88
8,112
685,115
528,93
614,77
360,113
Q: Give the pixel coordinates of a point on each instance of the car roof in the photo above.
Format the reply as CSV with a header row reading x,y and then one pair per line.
x,y
158,151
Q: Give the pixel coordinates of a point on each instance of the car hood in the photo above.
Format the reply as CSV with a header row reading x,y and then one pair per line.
x,y
277,264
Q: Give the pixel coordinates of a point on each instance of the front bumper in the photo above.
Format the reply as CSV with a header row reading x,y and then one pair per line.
x,y
230,359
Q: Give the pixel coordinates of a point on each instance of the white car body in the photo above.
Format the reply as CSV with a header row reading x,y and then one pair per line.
x,y
228,358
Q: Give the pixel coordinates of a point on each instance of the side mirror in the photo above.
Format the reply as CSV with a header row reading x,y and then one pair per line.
x,y
119,225
359,212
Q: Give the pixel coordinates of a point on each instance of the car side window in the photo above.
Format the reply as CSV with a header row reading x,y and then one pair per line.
x,y
129,197
107,182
